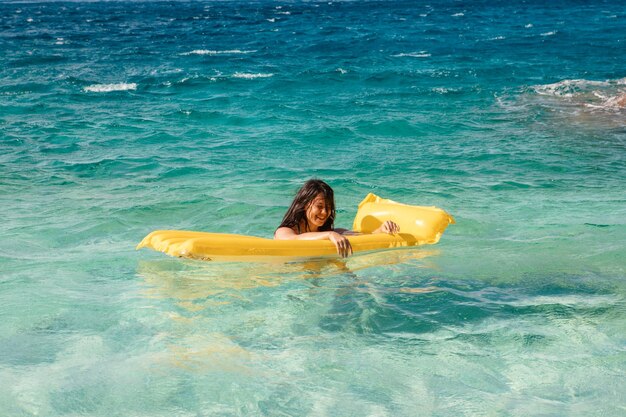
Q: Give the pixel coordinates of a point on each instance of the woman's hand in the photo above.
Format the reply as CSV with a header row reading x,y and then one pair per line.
x,y
388,227
342,243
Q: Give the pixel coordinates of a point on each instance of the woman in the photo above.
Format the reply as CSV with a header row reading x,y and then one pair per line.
x,y
311,216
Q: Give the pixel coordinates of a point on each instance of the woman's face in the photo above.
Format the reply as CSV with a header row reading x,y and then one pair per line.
x,y
317,212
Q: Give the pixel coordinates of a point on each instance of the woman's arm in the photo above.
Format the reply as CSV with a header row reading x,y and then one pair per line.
x,y
341,242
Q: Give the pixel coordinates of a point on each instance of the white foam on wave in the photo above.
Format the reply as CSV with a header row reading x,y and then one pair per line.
x,y
549,33
497,38
214,52
597,95
567,88
107,88
248,76
444,90
566,300
197,77
617,102
421,54
458,14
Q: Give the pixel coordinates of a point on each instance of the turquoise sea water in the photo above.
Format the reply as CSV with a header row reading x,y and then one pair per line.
x,y
118,118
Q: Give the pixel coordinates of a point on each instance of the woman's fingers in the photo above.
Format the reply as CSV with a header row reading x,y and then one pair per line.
x,y
346,248
391,227
342,250
342,244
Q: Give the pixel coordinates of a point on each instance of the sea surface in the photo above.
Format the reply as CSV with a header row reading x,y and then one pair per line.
x,y
119,118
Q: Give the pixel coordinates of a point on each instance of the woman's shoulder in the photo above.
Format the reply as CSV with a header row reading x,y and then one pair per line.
x,y
285,232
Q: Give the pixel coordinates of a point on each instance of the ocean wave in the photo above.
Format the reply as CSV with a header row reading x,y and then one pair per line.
x,y
609,102
215,52
249,76
421,54
572,300
549,33
444,90
568,88
196,78
107,88
602,95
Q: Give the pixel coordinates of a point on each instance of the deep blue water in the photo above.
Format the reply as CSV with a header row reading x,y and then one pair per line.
x,y
118,118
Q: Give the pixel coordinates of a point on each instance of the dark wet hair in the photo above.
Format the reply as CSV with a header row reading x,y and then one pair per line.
x,y
297,211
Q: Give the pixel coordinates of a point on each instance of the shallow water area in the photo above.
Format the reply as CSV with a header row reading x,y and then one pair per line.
x,y
119,118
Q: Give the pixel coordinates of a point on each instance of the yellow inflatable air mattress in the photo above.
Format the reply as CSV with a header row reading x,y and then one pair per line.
x,y
418,226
